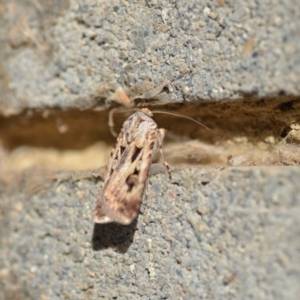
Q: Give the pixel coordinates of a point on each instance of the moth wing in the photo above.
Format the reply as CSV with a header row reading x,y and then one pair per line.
x,y
100,216
123,194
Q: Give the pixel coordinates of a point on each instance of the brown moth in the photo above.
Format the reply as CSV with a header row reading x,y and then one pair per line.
x,y
127,170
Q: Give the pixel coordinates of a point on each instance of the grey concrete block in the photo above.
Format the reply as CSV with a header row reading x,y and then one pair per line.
x,y
75,55
208,234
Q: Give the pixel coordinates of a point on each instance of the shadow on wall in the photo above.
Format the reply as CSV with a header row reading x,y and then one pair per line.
x,y
113,235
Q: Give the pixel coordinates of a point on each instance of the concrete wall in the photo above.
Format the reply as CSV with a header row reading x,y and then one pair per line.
x,y
227,226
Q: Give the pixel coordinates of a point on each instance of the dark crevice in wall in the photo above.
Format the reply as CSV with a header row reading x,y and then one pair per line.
x,y
73,129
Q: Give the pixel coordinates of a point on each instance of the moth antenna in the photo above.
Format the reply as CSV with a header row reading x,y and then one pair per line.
x,y
179,115
111,124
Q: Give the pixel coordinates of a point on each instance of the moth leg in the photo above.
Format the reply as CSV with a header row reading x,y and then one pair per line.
x,y
156,168
165,163
160,137
146,192
153,92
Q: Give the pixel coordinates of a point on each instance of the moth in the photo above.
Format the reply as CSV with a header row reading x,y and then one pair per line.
x,y
127,170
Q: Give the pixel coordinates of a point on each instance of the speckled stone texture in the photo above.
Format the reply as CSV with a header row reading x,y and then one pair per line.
x,y
211,233
70,54
208,234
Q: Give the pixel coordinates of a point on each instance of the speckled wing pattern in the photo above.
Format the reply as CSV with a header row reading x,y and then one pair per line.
x,y
127,170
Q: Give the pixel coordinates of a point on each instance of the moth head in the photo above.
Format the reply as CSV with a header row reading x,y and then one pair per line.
x,y
147,112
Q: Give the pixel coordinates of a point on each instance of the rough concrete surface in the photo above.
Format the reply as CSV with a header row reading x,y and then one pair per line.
x,y
74,53
227,226
208,234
